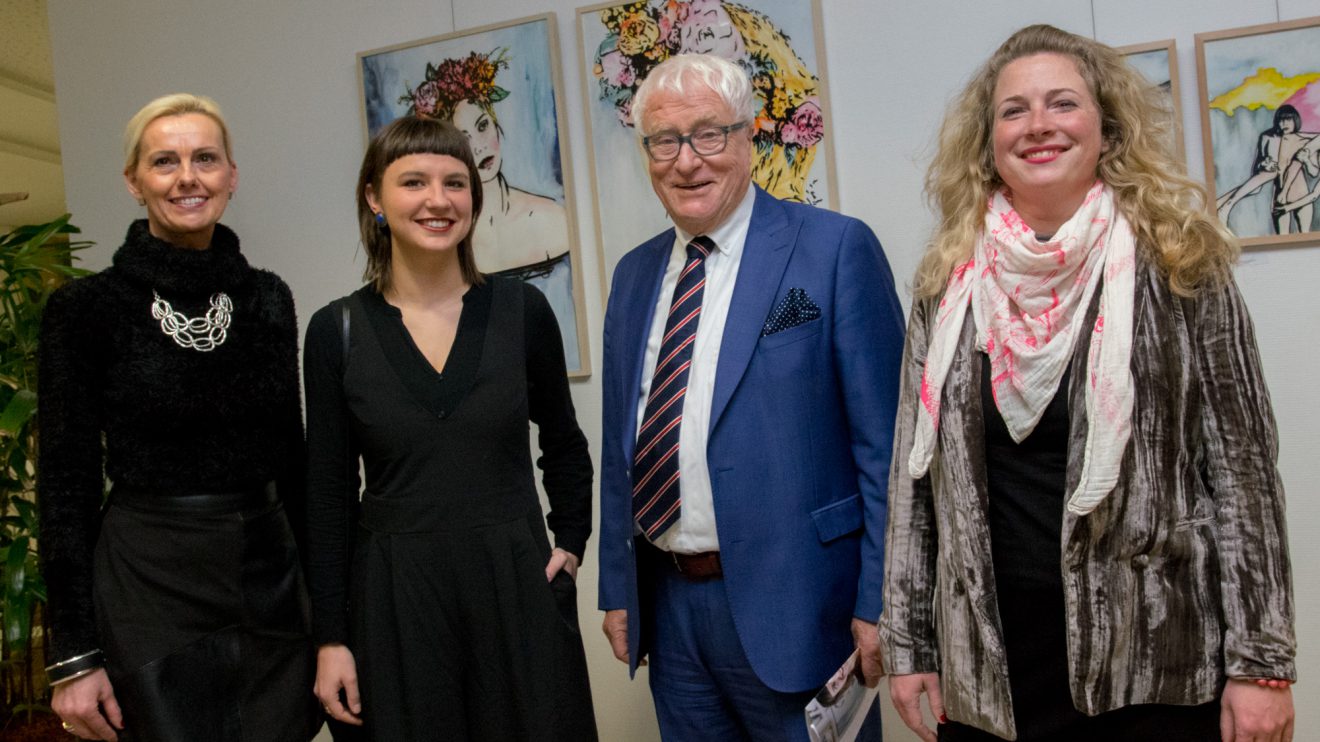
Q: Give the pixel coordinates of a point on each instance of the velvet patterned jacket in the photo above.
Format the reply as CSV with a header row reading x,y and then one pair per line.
x,y
1178,580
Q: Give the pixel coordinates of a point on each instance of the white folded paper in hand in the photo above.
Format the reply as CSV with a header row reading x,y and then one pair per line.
x,y
838,710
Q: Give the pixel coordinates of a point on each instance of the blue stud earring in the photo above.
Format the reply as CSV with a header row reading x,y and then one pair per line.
x,y
380,219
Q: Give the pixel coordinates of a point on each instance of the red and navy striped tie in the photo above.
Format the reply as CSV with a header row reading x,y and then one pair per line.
x,y
656,496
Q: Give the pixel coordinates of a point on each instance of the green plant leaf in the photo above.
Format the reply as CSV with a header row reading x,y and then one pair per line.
x,y
16,567
34,261
18,411
498,94
18,622
36,584
39,234
27,511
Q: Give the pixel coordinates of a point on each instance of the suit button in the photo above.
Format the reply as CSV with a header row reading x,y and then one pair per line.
x,y
1141,561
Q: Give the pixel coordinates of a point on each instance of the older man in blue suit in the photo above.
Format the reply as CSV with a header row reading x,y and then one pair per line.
x,y
750,385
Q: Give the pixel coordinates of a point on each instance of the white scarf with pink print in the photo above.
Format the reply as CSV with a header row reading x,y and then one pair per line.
x,y
1029,302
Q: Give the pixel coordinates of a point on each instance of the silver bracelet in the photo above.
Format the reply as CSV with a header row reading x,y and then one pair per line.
x,y
74,667
75,676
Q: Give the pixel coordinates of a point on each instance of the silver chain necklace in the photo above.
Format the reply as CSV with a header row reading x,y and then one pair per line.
x,y
196,333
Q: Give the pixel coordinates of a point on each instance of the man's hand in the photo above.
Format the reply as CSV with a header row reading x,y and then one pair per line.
x,y
616,630
867,639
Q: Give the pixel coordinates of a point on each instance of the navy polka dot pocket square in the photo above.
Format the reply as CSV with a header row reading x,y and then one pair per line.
x,y
796,309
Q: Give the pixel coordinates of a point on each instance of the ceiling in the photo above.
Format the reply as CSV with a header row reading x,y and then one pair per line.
x,y
29,131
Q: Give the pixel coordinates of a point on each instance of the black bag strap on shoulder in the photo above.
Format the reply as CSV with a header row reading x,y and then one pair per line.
x,y
344,338
350,459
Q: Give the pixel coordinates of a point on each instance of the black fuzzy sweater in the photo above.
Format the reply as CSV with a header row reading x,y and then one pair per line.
x,y
164,419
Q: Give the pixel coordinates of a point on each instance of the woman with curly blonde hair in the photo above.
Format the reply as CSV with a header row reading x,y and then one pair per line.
x,y
1082,393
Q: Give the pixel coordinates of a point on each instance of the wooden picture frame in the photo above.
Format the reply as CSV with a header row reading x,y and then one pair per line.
x,y
780,43
501,85
1260,123
1157,61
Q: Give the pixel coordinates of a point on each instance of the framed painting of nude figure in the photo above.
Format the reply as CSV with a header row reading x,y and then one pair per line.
x,y
1157,61
778,42
1260,122
501,86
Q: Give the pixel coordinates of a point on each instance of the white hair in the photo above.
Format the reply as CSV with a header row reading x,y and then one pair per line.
x,y
681,73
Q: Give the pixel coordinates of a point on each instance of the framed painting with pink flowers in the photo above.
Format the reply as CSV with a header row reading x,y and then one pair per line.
x,y
778,42
500,85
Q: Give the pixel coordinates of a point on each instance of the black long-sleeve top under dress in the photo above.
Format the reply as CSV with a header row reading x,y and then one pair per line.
x,y
436,578
165,420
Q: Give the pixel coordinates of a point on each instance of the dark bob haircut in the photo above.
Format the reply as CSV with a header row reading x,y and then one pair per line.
x,y
411,135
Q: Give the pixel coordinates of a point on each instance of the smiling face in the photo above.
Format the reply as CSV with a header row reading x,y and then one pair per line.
x,y
427,202
183,177
1047,137
483,135
699,192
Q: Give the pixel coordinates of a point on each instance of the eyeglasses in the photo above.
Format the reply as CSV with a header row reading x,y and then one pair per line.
x,y
706,141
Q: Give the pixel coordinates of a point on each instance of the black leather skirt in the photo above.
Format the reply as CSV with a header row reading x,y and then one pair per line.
x,y
203,617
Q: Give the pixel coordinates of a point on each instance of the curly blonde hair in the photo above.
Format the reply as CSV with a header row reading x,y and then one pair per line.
x,y
1166,208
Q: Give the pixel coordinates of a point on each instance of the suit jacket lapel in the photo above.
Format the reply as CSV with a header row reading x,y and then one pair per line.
x,y
770,238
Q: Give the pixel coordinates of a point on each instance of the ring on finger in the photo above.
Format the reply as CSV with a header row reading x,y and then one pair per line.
x,y
67,727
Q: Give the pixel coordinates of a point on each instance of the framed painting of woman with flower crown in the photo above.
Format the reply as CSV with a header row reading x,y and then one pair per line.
x,y
778,42
500,85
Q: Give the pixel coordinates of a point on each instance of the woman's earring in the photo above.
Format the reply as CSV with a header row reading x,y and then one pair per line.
x,y
380,219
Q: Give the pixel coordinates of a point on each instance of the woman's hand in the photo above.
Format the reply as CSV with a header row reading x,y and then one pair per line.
x,y
905,691
88,705
560,559
1250,713
335,671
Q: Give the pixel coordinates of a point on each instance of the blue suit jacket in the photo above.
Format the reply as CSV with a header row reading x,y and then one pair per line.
x,y
799,443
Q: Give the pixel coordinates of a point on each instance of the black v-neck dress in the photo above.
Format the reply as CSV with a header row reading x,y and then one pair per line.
x,y
439,586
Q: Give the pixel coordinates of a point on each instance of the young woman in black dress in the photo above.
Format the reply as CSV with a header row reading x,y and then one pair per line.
x,y
441,610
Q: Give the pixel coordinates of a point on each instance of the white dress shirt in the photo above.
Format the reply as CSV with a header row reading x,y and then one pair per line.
x,y
695,530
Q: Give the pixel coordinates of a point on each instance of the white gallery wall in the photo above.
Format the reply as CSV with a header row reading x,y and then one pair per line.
x,y
285,75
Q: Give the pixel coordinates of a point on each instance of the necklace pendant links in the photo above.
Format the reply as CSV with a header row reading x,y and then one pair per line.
x,y
202,334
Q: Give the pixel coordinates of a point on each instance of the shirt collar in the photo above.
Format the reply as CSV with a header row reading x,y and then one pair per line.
x,y
724,235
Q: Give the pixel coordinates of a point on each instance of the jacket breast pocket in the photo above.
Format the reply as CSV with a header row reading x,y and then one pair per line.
x,y
838,519
803,331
